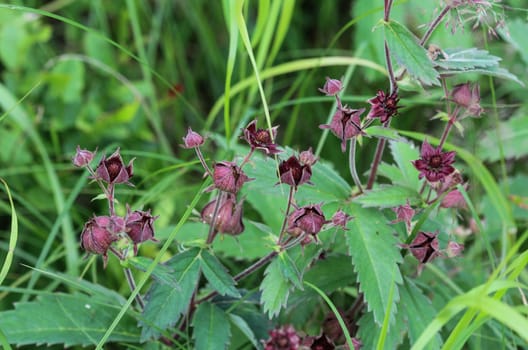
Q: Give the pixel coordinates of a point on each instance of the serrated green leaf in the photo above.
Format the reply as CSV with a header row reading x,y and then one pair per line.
x,y
403,45
65,319
418,312
383,132
369,332
164,304
514,137
375,256
332,273
275,289
404,153
491,71
388,196
289,270
515,33
217,275
466,59
162,273
243,326
212,329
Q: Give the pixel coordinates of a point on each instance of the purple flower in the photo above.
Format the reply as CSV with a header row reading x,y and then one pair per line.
x,y
82,157
99,233
192,139
384,106
112,170
332,87
434,164
139,226
424,247
468,97
261,138
283,338
341,218
404,213
345,124
309,219
228,177
292,172
228,216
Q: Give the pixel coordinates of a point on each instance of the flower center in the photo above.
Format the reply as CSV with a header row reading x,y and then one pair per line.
x,y
113,167
435,162
263,136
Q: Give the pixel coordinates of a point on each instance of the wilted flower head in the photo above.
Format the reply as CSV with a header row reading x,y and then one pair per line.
x,y
100,232
113,171
261,139
283,338
345,124
424,247
228,216
404,213
341,218
434,164
384,106
229,177
309,219
82,157
468,97
192,139
332,87
292,172
139,226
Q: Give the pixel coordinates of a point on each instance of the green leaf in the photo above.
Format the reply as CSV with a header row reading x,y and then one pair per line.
x,y
332,273
375,256
165,304
515,33
66,80
418,312
383,132
467,59
403,45
65,319
387,196
275,289
369,332
217,275
289,270
491,71
243,326
514,137
212,329
404,153
162,273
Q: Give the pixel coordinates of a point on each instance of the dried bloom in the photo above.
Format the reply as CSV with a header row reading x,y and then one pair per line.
x,y
261,139
341,218
113,171
434,164
468,97
454,249
228,177
332,87
293,173
192,139
228,216
82,157
139,226
424,247
100,232
319,343
404,213
307,157
310,219
384,106
283,338
345,124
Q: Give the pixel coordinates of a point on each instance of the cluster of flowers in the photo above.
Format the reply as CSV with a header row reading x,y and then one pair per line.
x,y
100,232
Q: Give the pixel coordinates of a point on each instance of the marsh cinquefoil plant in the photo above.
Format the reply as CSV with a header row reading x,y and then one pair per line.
x,y
280,251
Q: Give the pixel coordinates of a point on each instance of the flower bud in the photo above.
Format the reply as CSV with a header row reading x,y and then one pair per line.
x,y
261,139
310,219
404,213
293,173
468,97
112,170
454,249
192,139
99,233
307,157
228,177
139,226
332,87
82,157
454,199
424,247
341,219
228,216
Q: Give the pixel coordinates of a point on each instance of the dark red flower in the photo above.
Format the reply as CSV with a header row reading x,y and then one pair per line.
x,y
228,177
100,232
283,338
345,124
82,157
192,139
113,171
292,172
424,247
309,219
434,164
332,87
261,139
468,97
384,106
404,213
228,216
139,226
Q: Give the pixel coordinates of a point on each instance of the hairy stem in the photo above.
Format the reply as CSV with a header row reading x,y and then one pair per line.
x,y
435,24
132,284
352,164
202,160
285,220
